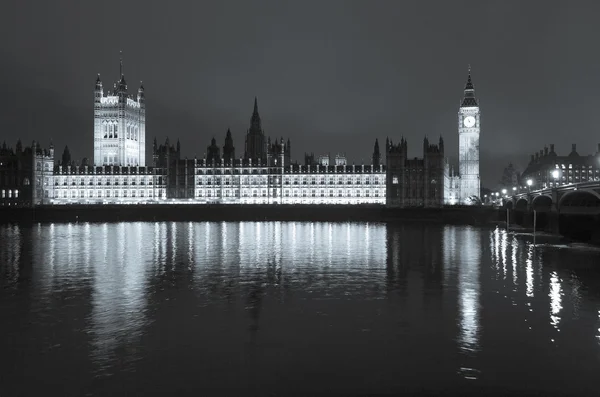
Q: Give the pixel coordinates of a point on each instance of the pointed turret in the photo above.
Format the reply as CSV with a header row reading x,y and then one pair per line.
x,y
66,157
255,123
441,144
213,153
376,155
19,147
179,146
469,99
255,137
228,148
98,90
141,94
121,84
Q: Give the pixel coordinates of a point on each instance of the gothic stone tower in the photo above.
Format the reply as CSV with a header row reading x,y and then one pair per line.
x,y
256,145
119,125
469,119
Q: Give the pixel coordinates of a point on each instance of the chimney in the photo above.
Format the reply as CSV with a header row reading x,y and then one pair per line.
x,y
545,150
532,158
574,148
552,148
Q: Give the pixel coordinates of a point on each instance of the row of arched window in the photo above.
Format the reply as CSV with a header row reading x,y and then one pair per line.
x,y
111,130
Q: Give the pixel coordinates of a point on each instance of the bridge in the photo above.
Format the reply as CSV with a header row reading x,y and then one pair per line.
x,y
572,209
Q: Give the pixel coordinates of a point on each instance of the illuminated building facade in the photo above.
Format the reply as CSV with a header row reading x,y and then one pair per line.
x,y
119,125
273,180
469,126
264,174
464,187
548,169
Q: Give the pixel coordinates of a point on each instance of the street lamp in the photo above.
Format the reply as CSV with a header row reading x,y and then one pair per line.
x,y
504,192
529,183
555,175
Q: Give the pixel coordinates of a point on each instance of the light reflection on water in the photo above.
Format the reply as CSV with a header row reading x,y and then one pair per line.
x,y
387,306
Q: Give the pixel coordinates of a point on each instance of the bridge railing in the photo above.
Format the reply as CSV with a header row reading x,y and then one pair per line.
x,y
569,186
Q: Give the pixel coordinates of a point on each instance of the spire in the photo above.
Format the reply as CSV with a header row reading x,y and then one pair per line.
x,y
469,98
255,123
98,84
469,85
376,159
121,63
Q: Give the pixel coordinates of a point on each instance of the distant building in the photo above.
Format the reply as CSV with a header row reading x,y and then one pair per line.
x,y
265,174
417,182
430,181
270,179
547,169
24,174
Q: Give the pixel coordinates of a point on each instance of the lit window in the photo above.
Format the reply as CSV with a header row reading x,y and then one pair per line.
x,y
395,180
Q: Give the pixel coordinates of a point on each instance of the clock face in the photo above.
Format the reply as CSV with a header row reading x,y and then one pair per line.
x,y
469,121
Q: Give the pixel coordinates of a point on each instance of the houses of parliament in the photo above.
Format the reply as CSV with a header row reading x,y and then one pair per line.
x,y
263,174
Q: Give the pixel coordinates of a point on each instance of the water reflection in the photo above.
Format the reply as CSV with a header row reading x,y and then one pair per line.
x,y
10,255
119,293
555,295
259,298
529,272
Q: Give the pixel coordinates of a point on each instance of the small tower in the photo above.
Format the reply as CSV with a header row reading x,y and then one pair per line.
x,y
98,90
469,124
213,152
119,124
376,155
141,95
228,148
256,147
66,157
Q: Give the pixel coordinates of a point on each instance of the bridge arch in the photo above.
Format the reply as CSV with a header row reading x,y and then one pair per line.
x,y
509,205
521,204
542,203
579,198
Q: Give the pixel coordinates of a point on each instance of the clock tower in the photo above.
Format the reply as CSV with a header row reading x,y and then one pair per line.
x,y
469,119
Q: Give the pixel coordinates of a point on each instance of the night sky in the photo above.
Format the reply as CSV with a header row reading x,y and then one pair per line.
x,y
330,75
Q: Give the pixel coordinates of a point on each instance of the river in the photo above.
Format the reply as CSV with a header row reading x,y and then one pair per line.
x,y
294,308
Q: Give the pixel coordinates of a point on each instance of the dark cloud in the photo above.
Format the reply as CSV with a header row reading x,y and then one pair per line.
x,y
330,75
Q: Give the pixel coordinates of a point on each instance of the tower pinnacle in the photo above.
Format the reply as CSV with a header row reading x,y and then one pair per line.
x,y
469,99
